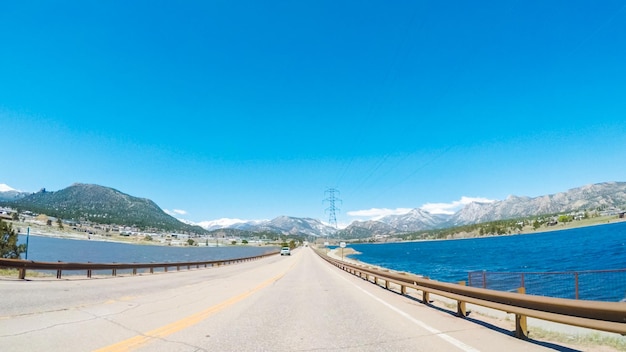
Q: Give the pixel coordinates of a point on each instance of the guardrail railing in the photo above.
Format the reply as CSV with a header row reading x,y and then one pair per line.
x,y
595,285
23,265
604,316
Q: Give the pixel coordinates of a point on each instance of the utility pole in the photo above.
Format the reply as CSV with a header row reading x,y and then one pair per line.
x,y
332,209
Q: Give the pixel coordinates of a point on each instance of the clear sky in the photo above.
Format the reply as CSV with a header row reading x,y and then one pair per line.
x,y
252,109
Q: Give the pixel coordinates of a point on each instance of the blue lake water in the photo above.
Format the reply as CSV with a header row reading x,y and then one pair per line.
x,y
590,248
48,249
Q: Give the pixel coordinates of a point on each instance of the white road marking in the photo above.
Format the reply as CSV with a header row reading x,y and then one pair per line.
x,y
461,345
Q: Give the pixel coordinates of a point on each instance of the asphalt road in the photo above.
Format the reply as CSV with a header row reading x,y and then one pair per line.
x,y
296,303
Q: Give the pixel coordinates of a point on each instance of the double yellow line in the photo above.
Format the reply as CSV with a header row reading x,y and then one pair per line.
x,y
159,333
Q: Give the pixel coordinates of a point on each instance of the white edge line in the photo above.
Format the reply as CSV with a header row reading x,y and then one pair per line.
x,y
461,345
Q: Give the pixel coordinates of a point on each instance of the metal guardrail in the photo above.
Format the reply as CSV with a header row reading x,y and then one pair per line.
x,y
596,285
604,316
23,265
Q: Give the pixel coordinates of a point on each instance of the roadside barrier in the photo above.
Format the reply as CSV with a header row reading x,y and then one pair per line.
x,y
596,285
603,316
23,265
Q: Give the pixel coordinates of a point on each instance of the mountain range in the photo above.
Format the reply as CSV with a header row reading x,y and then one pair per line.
x,y
102,204
590,197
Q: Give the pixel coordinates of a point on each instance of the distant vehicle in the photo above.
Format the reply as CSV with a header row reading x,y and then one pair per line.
x,y
285,251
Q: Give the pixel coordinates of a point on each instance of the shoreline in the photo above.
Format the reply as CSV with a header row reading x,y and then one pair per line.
x,y
604,221
54,232
45,231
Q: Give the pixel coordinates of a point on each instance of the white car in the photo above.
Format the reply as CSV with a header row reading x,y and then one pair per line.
x,y
285,251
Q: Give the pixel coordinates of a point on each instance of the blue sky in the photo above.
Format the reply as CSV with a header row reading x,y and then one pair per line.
x,y
252,109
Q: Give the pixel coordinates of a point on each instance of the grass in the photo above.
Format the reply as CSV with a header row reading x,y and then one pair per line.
x,y
585,340
13,273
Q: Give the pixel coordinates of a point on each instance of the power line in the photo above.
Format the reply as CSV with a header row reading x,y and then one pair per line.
x,y
332,209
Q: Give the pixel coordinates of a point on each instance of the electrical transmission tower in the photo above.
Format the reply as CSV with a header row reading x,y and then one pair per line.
x,y
332,209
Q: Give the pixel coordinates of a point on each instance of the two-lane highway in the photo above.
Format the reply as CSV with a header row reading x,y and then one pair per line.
x,y
291,303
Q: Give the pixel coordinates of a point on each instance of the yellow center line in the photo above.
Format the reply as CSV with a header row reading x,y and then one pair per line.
x,y
135,342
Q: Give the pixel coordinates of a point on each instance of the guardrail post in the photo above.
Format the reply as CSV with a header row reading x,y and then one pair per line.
x,y
425,297
521,326
22,274
461,309
576,284
59,272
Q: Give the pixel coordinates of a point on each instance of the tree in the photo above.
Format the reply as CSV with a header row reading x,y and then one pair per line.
x,y
8,242
565,218
60,223
244,242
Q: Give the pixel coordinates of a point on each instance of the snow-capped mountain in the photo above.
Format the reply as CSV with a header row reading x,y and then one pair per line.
x,y
415,220
283,224
295,226
9,193
229,223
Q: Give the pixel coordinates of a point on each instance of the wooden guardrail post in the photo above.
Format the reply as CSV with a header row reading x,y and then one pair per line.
x,y
461,308
22,274
521,326
425,297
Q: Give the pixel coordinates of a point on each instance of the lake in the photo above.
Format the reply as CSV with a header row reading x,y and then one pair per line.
x,y
49,249
590,248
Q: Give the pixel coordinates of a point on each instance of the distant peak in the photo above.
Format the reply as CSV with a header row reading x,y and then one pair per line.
x,y
6,188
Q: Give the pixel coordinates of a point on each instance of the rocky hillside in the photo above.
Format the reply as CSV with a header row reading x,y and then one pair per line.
x,y
590,197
